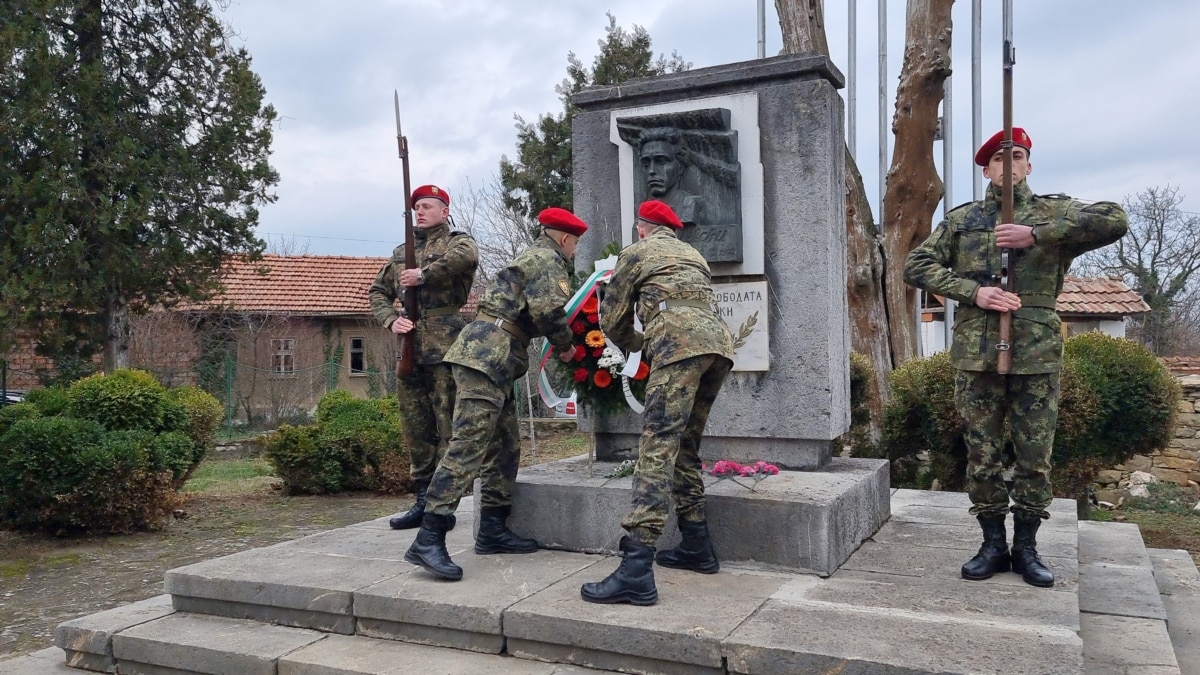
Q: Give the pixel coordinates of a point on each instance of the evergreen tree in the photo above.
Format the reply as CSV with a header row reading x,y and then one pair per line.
x,y
540,176
134,154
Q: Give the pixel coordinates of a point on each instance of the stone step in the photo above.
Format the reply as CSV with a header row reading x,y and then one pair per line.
x,y
1124,623
47,661
87,641
1179,586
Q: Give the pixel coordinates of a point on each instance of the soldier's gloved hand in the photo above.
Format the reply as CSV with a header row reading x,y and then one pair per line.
x,y
401,325
997,299
412,278
1009,235
568,355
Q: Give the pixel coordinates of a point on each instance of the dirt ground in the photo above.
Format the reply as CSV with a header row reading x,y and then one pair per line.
x,y
45,581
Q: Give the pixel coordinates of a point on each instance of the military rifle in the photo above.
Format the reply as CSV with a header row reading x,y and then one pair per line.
x,y
1003,345
405,358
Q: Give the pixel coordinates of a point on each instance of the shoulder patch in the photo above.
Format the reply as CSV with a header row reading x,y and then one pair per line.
x,y
564,287
1056,195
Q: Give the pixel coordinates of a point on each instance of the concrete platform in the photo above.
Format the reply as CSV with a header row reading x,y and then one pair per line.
x,y
808,522
898,605
1179,587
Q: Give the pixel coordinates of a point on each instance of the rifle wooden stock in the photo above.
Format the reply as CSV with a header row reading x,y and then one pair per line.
x,y
1004,344
405,358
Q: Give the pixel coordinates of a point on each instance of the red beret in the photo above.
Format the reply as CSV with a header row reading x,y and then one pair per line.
x,y
659,213
563,220
431,191
989,148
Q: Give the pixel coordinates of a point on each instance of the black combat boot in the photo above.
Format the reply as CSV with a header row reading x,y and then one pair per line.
x,y
1025,560
694,553
412,517
633,582
993,555
428,550
494,535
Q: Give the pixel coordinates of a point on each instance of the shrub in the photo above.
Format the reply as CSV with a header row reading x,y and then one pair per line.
x,y
59,475
201,416
124,399
50,401
11,414
858,438
355,445
921,418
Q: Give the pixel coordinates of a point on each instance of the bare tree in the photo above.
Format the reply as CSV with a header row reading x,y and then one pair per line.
x,y
500,232
289,245
1158,259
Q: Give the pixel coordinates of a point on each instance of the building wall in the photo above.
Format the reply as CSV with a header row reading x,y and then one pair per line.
x,y
1179,462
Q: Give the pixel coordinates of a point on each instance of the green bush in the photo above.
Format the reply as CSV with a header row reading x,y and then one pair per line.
x,y
50,401
1117,400
124,399
61,475
202,414
858,438
11,414
355,445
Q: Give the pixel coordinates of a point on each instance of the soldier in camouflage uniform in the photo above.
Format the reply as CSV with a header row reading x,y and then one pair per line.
x,y
667,283
525,301
446,261
961,261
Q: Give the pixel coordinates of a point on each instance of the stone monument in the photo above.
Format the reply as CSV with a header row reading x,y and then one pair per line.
x,y
752,156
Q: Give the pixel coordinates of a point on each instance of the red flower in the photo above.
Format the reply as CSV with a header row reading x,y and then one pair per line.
x,y
643,371
580,352
593,317
602,378
581,374
598,352
577,327
591,305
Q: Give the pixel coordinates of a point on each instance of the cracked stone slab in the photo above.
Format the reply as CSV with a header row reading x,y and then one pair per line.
x,y
87,640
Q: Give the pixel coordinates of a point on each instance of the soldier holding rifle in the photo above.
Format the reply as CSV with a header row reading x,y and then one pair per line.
x,y
962,260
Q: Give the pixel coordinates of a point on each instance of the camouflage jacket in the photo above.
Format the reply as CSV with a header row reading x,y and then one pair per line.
x,y
651,275
529,293
448,259
961,255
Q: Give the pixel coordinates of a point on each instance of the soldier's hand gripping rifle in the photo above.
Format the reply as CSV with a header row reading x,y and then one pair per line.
x,y
1003,345
405,358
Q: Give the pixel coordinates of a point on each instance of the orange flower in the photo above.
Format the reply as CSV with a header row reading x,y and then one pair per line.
x,y
591,305
602,378
642,372
594,338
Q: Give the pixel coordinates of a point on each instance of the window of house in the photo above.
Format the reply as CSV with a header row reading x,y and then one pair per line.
x,y
283,356
358,356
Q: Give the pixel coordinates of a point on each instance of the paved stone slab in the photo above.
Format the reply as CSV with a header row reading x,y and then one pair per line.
x,y
295,588
680,634
465,614
1055,543
787,637
1120,591
1113,544
87,641
374,543
48,661
1021,605
1179,587
903,497
945,564
207,644
341,655
799,521
942,515
1121,644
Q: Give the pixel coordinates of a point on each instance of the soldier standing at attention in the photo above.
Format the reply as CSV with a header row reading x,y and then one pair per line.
x,y
961,260
447,261
525,301
667,283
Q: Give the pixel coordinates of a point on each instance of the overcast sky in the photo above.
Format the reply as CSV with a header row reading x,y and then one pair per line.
x,y
1100,85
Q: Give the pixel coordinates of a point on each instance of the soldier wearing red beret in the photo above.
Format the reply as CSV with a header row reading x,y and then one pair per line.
x,y
961,260
525,301
446,264
667,284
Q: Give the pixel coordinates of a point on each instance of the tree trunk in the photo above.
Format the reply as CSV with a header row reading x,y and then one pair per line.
x,y
913,185
803,26
116,336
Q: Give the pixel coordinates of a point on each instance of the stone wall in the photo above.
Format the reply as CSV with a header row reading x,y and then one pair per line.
x,y
1179,463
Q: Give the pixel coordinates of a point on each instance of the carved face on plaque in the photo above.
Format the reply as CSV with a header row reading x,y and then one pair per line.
x,y
662,167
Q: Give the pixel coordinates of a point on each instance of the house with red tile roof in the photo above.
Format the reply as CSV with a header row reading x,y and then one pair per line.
x,y
1085,304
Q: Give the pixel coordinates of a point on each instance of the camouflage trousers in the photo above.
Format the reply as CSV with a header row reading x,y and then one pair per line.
x,y
679,397
426,409
484,444
1029,405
